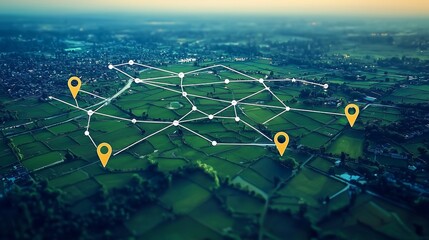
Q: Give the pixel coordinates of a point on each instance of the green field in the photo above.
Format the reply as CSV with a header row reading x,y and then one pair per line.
x,y
246,176
349,142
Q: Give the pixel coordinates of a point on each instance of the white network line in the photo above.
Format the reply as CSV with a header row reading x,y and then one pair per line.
x,y
183,93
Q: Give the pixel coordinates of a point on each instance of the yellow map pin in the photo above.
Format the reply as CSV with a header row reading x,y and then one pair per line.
x,y
104,157
351,117
281,147
74,89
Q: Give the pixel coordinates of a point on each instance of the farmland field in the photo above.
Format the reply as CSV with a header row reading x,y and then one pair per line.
x,y
191,106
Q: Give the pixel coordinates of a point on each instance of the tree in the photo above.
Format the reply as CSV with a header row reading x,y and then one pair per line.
x,y
290,162
305,93
136,180
69,156
179,132
343,158
327,199
422,151
144,115
303,207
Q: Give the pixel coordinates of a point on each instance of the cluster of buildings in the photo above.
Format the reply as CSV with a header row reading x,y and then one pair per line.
x,y
416,133
386,149
16,175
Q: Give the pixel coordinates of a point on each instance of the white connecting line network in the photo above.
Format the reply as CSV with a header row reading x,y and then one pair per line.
x,y
94,109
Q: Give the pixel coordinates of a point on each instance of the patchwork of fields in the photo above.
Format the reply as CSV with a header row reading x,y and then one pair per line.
x,y
54,147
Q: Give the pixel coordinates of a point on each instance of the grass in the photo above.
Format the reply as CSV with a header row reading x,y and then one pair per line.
x,y
282,225
189,153
63,128
140,223
311,186
240,202
121,138
43,135
190,197
386,115
367,210
298,156
169,164
161,141
23,139
349,142
223,167
314,140
413,144
179,229
113,180
409,95
321,164
271,169
42,160
211,214
143,148
68,179
83,151
388,161
126,161
257,180
38,109
33,149
59,169
62,142
107,125
183,196
80,190
6,155
240,154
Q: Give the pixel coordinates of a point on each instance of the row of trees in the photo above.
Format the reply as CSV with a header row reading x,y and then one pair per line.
x,y
38,212
15,149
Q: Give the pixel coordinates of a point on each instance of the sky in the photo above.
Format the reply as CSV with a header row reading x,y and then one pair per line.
x,y
277,7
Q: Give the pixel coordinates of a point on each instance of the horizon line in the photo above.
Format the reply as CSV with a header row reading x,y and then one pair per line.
x,y
209,14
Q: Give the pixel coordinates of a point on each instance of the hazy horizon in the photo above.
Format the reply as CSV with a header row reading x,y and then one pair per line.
x,y
417,8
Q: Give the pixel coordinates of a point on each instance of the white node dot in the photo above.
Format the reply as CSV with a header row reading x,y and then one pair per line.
x,y
176,123
50,97
181,75
237,119
214,143
131,62
90,112
226,81
86,133
233,102
110,66
293,80
184,94
137,80
267,88
287,108
133,120
194,108
261,80
211,116
325,86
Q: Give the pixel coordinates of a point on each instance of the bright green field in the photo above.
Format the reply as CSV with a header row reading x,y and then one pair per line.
x,y
349,142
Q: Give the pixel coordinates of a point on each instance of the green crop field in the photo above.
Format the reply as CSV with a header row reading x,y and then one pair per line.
x,y
349,142
224,190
